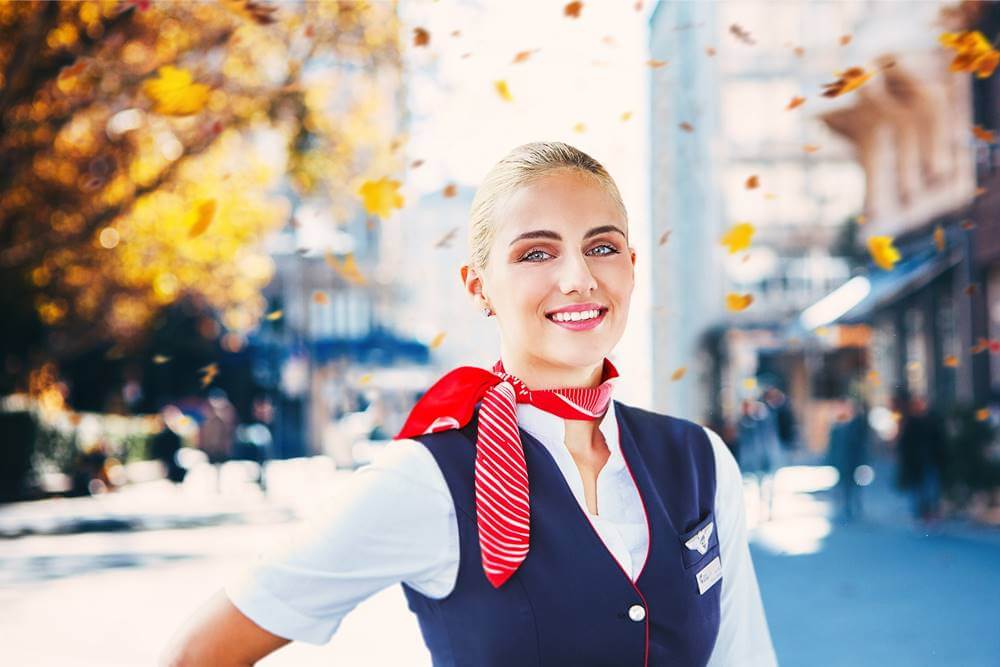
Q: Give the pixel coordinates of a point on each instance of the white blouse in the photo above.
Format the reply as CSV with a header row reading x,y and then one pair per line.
x,y
396,523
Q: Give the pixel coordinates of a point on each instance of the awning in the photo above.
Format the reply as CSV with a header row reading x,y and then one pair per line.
x,y
861,297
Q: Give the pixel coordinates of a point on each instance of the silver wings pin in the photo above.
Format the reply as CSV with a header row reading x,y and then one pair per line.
x,y
700,540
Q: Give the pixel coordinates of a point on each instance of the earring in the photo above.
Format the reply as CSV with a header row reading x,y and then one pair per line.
x,y
487,312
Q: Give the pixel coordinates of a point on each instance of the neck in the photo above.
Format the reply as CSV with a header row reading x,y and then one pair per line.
x,y
538,374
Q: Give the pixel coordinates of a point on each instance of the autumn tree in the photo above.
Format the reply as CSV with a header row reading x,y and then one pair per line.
x,y
146,148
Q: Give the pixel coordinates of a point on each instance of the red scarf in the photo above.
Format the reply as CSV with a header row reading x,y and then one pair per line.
x,y
501,472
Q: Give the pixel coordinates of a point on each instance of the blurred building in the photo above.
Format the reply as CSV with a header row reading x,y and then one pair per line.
x,y
725,149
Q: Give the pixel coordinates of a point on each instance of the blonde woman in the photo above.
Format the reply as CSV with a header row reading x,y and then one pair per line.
x,y
530,518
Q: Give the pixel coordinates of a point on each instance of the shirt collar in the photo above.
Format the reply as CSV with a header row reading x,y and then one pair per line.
x,y
550,429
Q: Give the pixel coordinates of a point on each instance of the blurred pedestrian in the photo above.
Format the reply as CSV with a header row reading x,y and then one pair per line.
x,y
166,443
784,418
759,450
217,431
847,452
922,457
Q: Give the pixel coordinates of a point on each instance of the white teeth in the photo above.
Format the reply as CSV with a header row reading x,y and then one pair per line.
x,y
577,316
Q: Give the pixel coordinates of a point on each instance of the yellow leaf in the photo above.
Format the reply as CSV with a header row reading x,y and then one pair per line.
x,y
436,342
450,190
738,237
365,379
572,9
209,372
939,240
810,148
275,315
381,197
884,254
655,64
984,135
626,116
503,90
795,102
850,79
523,56
679,373
174,92
206,211
160,358
737,302
580,127
973,52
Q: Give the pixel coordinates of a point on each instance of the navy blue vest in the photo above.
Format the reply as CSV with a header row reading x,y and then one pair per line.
x,y
569,602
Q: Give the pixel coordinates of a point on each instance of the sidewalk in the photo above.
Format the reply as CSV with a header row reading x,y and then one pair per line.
x,y
293,487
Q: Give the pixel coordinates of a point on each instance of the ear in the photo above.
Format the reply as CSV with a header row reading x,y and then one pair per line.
x,y
472,281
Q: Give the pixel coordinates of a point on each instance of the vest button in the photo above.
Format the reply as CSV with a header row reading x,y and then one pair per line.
x,y
637,613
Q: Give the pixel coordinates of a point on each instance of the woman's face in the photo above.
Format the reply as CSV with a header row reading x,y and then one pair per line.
x,y
560,246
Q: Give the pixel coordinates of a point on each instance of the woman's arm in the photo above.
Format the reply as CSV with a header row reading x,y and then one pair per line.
x,y
220,635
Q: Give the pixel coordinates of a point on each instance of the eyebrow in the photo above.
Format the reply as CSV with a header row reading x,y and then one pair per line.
x,y
548,234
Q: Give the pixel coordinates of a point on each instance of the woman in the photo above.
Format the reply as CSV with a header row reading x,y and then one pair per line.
x,y
630,548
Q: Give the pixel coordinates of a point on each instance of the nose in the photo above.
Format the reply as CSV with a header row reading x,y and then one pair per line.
x,y
575,275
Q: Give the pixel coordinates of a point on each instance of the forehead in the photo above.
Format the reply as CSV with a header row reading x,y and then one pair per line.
x,y
563,201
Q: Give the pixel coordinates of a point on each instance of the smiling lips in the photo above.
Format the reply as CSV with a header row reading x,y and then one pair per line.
x,y
579,318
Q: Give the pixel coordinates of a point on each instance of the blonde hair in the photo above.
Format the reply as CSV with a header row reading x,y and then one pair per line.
x,y
520,167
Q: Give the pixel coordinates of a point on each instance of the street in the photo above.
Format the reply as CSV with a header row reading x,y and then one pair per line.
x,y
876,592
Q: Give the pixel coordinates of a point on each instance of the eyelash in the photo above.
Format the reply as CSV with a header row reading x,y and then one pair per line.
x,y
614,251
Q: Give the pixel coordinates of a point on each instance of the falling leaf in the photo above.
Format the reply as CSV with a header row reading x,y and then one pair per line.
x,y
626,116
980,191
752,182
686,126
939,238
456,33
524,55
654,64
446,240
741,34
381,197
579,127
738,237
951,361
503,91
750,383
664,237
810,148
795,103
973,52
348,269
981,346
450,190
982,414
209,372
421,37
573,9
737,302
274,315
365,379
799,51
968,224
416,163
984,135
260,12
844,40
206,211
174,92
637,6
709,51
436,342
160,358
883,253
971,289
679,373
850,79
320,298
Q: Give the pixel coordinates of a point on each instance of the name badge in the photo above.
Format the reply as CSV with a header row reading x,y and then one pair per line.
x,y
709,574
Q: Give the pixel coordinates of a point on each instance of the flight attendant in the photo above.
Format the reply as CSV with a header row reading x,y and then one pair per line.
x,y
530,517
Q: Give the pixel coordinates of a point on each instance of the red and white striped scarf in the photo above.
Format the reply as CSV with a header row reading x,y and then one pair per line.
x,y
502,508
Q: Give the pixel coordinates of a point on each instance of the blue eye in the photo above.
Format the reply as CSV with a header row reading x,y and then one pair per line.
x,y
612,251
